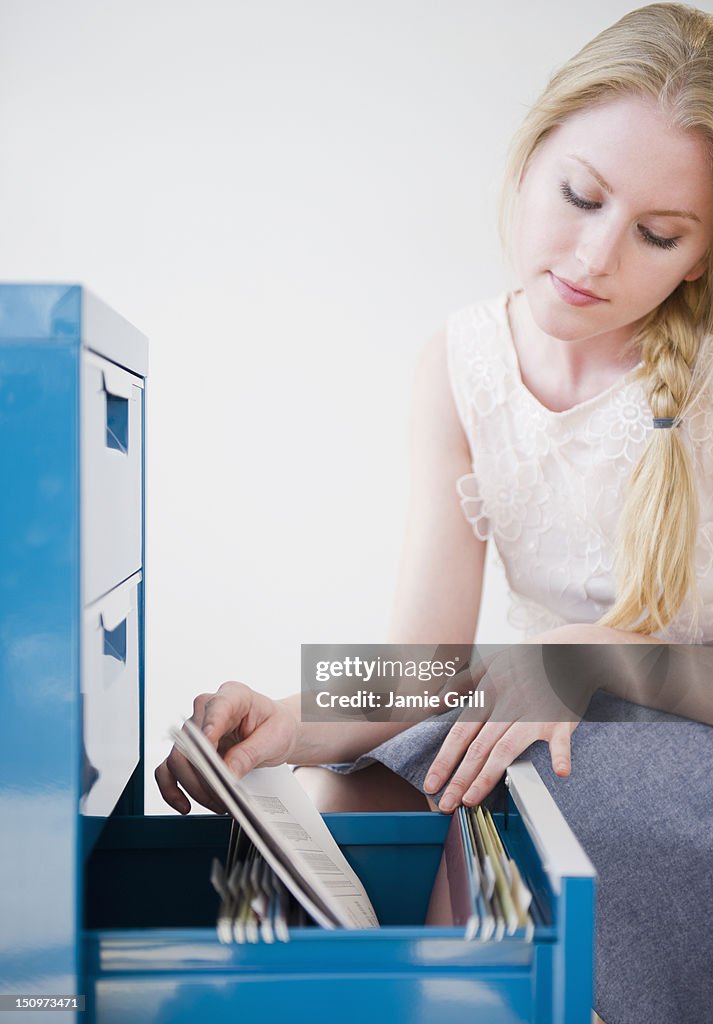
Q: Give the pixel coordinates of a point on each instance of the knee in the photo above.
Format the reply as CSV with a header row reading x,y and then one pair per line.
x,y
372,789
325,789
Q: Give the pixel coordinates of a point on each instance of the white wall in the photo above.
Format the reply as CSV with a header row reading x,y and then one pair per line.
x,y
288,198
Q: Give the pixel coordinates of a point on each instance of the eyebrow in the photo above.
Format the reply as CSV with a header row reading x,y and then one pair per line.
x,y
607,188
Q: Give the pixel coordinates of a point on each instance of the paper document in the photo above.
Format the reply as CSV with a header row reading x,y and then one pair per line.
x,y
285,826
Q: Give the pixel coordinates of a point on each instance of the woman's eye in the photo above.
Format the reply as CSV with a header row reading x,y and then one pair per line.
x,y
575,200
661,243
588,204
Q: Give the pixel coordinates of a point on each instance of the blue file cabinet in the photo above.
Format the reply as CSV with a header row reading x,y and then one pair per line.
x,y
97,899
71,613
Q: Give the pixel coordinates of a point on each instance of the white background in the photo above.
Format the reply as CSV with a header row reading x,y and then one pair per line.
x,y
288,198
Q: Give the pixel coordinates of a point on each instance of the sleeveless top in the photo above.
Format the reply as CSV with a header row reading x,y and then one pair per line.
x,y
548,487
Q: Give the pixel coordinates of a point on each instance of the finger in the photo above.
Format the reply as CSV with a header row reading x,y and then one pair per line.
x,y
561,749
261,747
218,713
183,772
518,737
169,790
471,764
456,743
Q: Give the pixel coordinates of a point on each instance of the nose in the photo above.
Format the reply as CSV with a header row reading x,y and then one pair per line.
x,y
599,248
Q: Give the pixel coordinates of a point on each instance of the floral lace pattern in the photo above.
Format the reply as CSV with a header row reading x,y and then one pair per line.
x,y
548,487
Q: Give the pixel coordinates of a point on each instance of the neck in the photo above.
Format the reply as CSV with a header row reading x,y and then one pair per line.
x,y
562,373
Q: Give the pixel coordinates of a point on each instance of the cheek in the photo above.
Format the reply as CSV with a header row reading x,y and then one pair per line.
x,y
645,285
657,275
543,243
544,225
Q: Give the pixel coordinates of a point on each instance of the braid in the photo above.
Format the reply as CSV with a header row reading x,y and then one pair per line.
x,y
658,526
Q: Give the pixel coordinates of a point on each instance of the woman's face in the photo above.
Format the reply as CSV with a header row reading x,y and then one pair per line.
x,y
617,203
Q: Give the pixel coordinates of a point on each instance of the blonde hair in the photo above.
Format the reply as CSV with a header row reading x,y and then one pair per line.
x,y
665,52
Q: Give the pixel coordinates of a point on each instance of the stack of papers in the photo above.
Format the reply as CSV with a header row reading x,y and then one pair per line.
x,y
296,850
254,903
478,885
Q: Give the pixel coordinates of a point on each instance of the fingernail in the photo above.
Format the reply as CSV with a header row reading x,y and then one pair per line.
x,y
446,803
432,782
472,797
207,729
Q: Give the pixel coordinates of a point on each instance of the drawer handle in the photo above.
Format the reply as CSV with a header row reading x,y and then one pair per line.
x,y
114,610
115,642
118,395
117,423
113,618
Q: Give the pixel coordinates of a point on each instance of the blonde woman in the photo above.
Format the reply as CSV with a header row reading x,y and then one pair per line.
x,y
570,423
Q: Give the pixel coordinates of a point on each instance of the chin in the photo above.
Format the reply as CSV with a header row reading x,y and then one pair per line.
x,y
565,324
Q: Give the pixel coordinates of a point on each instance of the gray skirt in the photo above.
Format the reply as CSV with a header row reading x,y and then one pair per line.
x,y
639,802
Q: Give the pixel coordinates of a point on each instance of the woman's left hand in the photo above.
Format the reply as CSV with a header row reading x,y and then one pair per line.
x,y
524,705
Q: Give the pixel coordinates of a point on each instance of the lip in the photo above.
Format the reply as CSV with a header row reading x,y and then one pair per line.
x,y
572,294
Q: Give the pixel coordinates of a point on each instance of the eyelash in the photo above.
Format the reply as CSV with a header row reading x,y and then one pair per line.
x,y
585,204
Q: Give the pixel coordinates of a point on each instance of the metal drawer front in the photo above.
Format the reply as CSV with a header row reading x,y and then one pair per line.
x,y
111,488
110,697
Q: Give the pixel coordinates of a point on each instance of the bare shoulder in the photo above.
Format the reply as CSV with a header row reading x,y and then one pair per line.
x,y
434,404
433,359
434,350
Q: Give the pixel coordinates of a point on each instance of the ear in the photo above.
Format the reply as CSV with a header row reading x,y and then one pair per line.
x,y
697,271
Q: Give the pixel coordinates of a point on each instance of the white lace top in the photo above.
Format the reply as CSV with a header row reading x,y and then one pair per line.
x,y
548,487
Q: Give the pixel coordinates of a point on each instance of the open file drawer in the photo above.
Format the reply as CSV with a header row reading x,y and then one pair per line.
x,y
151,951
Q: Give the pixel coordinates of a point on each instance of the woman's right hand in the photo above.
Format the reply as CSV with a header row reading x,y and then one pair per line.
x,y
248,730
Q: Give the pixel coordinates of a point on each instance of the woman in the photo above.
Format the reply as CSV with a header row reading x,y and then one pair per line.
x,y
573,420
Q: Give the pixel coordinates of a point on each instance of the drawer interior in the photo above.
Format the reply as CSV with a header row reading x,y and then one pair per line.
x,y
153,872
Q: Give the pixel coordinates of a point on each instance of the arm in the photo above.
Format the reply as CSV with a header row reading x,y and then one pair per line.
x,y
440,582
678,681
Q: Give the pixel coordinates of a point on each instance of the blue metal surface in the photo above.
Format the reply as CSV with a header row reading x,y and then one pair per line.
x,y
574,954
44,330
34,312
39,664
443,997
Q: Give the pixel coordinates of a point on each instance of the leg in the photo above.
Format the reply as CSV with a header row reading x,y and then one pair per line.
x,y
375,788
634,801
